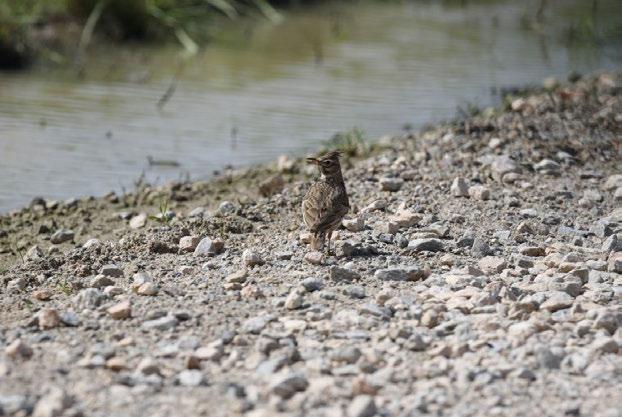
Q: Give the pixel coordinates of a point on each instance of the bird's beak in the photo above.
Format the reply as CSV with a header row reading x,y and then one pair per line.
x,y
312,161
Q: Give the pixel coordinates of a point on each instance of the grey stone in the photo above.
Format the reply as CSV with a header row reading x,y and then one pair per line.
x,y
100,281
549,358
226,207
425,245
251,258
355,291
285,386
209,247
312,284
53,404
163,323
62,236
340,274
111,271
480,248
503,165
138,221
409,273
362,406
190,378
89,298
459,187
391,184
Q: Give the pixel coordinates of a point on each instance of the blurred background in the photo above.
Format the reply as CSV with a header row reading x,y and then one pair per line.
x,y
95,94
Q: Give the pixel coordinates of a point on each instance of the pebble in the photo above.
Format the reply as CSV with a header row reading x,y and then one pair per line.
x,y
480,247
391,184
614,262
92,243
147,289
190,378
33,253
312,284
53,403
163,323
556,300
425,245
139,279
286,385
226,207
314,258
209,247
355,224
362,406
411,273
138,221
613,182
61,236
251,258
479,192
535,251
111,271
19,349
492,264
459,187
339,274
42,294
547,167
189,243
502,166
120,311
293,301
48,318
89,298
100,281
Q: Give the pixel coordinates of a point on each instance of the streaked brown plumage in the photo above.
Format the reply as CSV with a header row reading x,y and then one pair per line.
x,y
326,202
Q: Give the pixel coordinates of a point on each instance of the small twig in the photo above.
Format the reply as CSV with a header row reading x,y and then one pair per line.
x,y
89,27
171,88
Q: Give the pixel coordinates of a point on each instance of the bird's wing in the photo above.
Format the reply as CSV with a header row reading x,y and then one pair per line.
x,y
320,207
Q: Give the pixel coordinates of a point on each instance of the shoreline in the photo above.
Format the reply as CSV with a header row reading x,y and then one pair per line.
x,y
482,258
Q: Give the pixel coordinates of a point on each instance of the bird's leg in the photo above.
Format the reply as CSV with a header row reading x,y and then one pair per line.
x,y
327,237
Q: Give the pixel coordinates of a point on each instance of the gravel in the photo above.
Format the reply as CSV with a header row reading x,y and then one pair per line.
x,y
479,272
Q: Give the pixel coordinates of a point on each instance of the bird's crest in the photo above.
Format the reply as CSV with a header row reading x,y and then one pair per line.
x,y
331,155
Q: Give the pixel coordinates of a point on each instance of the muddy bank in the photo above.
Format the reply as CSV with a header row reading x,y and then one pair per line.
x,y
479,272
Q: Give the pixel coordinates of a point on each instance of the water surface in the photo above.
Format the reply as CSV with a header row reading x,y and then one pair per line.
x,y
262,90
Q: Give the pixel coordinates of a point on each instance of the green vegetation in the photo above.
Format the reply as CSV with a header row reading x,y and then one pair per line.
x,y
32,27
164,216
65,287
351,143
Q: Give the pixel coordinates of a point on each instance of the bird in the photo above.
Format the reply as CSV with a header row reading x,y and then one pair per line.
x,y
326,202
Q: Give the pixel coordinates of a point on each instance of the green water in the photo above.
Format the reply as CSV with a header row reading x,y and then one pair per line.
x,y
261,90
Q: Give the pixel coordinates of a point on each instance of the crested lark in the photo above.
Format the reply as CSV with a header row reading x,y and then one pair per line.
x,y
326,202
